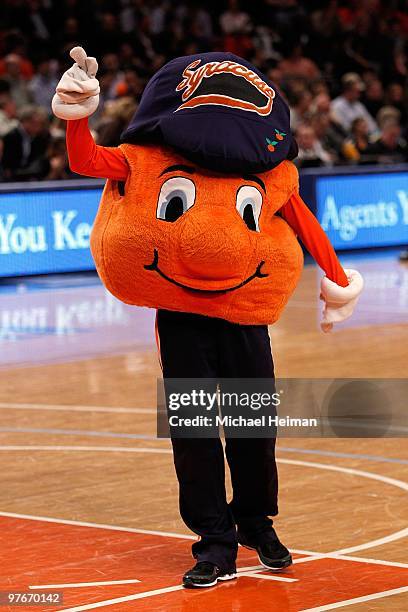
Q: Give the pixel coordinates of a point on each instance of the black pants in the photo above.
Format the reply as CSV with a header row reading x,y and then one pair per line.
x,y
194,346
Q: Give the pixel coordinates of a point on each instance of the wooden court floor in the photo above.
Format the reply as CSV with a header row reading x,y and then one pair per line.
x,y
88,496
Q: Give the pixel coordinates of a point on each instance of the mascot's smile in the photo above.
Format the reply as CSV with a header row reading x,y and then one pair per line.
x,y
154,267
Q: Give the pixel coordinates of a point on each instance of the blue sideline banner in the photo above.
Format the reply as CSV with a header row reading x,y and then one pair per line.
x,y
363,210
46,229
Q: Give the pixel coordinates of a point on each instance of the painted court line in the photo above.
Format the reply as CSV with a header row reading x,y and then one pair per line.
x,y
92,449
46,519
356,600
334,555
268,576
250,568
367,560
74,585
398,535
111,602
345,470
324,453
64,407
77,432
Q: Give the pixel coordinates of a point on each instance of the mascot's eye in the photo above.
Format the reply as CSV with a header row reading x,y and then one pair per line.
x,y
176,196
249,204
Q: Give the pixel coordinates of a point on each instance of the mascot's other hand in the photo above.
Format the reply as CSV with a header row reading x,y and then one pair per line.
x,y
77,93
339,301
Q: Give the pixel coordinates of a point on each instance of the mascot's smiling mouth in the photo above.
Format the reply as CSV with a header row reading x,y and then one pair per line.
x,y
154,267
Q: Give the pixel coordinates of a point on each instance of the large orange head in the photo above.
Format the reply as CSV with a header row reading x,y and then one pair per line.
x,y
179,237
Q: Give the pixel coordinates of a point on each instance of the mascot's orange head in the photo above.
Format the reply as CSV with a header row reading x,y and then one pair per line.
x,y
195,227
178,237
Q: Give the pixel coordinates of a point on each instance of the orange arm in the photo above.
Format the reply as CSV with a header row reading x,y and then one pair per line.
x,y
89,159
306,226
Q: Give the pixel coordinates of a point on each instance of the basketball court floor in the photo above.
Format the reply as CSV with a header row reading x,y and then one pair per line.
x,y
88,495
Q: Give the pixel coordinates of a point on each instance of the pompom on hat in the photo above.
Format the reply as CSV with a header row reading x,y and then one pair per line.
x,y
217,110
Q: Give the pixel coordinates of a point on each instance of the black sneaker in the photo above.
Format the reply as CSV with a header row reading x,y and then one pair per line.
x,y
271,552
206,574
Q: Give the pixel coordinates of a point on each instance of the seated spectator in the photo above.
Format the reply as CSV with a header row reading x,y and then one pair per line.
x,y
131,85
347,106
328,133
58,165
18,84
390,147
25,147
116,117
295,65
300,107
236,26
42,85
355,148
373,98
387,112
26,67
8,111
311,150
396,97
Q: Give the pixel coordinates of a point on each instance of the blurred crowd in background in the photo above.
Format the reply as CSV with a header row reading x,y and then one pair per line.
x,y
342,65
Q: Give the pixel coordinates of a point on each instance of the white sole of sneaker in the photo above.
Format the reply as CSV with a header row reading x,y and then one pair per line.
x,y
210,584
227,577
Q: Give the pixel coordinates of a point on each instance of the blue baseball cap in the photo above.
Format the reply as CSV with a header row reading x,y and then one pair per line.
x,y
217,110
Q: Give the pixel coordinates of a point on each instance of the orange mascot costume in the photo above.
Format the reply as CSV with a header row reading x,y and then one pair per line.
x,y
199,219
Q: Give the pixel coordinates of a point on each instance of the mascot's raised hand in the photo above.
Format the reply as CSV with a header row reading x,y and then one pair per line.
x,y
77,93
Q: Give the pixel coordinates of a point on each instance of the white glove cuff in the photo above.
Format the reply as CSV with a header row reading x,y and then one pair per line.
x,y
332,292
62,110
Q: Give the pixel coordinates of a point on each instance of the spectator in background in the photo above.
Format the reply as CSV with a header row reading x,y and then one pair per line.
x,y
373,98
25,147
347,106
15,42
311,150
295,65
116,117
390,147
355,148
331,134
37,21
236,26
396,97
388,112
57,166
300,106
42,85
8,110
18,84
